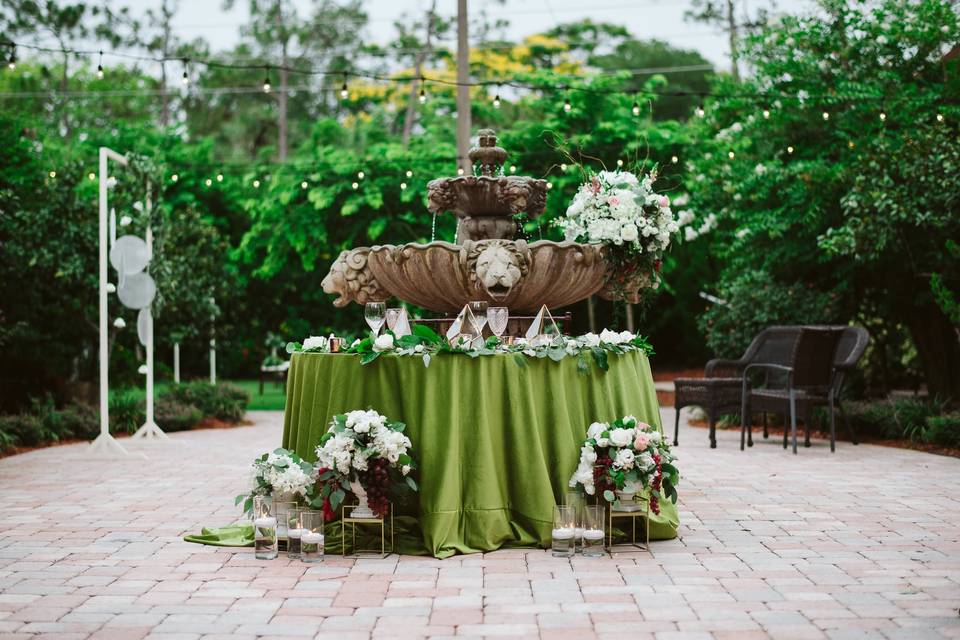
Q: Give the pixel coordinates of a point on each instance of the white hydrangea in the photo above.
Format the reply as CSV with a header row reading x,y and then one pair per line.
x,y
624,459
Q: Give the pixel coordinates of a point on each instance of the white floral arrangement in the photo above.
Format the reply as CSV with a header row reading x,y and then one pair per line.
x,y
425,343
280,473
618,209
363,447
624,457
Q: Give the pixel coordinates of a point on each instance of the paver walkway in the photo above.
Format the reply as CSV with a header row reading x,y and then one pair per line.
x,y
859,544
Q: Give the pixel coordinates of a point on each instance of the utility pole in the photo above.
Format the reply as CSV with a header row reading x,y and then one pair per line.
x,y
463,91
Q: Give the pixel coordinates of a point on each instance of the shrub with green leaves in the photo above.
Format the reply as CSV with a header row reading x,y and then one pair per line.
x,y
171,415
222,401
127,411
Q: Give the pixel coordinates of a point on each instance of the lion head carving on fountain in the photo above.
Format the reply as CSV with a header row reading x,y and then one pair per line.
x,y
352,281
496,266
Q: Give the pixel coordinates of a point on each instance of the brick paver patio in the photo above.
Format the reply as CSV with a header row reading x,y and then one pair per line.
x,y
864,543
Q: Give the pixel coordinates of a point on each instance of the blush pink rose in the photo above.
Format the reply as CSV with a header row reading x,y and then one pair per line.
x,y
641,442
613,201
664,201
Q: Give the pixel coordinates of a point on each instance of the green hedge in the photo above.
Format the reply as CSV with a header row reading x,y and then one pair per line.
x,y
180,408
915,419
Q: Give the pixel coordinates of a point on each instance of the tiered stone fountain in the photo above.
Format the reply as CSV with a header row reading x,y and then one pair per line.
x,y
486,263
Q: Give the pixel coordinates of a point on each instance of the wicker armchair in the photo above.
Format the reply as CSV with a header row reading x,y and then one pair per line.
x,y
807,380
720,391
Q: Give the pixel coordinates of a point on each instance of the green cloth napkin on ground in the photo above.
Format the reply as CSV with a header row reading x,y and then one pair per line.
x,y
236,535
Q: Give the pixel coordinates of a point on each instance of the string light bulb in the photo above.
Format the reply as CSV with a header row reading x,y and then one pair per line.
x,y
513,168
460,171
344,92
496,101
826,116
549,185
92,175
790,149
563,166
186,75
731,155
256,184
53,174
100,67
423,91
619,163
700,112
219,177
409,173
636,108
883,117
12,62
851,144
939,117
674,159
567,106
266,83
766,114
355,185
208,182
304,185
361,175
403,185
174,178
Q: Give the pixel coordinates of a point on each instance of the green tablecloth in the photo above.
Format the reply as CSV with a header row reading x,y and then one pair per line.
x,y
496,442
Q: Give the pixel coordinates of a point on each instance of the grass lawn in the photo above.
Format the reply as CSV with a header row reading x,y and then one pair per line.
x,y
272,399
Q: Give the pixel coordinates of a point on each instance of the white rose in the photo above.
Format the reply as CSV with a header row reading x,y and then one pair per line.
x,y
583,475
314,342
418,348
629,233
609,337
626,336
595,429
624,459
587,455
383,343
590,339
621,437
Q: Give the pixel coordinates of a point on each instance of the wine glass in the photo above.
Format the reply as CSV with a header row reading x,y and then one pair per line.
x,y
393,314
497,318
479,309
375,314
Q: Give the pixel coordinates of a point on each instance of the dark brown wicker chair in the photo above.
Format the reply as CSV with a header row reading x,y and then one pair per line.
x,y
721,390
807,380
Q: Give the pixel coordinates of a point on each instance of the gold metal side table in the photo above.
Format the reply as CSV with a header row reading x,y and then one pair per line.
x,y
634,545
353,522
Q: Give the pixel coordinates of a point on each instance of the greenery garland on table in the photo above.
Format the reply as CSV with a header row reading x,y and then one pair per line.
x,y
426,343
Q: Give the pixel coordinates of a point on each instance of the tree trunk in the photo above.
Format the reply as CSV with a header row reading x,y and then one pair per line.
x,y
463,91
415,85
938,349
732,30
282,96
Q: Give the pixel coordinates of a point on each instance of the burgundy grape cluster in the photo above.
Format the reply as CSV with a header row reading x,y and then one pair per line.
x,y
376,482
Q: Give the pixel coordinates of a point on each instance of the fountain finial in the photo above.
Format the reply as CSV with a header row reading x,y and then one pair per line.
x,y
488,155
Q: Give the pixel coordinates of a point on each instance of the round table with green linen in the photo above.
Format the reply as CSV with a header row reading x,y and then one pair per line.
x,y
495,441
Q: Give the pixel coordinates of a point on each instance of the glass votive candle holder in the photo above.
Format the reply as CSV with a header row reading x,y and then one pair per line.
x,y
564,529
264,529
294,530
576,500
281,510
311,535
593,530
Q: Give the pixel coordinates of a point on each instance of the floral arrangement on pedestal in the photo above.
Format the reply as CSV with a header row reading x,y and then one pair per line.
x,y
621,458
365,454
280,473
623,212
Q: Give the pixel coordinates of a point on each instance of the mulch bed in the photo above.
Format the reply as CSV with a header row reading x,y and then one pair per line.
x,y
820,435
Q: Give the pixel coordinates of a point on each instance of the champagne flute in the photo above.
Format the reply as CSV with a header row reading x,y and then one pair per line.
x,y
375,314
497,318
